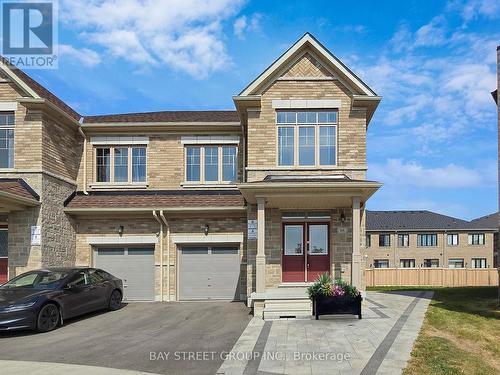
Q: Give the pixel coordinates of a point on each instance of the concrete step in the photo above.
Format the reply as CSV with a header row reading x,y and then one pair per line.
x,y
287,309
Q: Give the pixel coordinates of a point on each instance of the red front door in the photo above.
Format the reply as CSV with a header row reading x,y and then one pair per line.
x,y
305,253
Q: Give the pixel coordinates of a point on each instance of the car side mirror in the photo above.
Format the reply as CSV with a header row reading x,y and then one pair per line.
x,y
71,287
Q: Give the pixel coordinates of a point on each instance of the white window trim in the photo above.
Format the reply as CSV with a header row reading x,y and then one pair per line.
x,y
119,140
202,181
306,103
479,258
111,183
405,235
428,234
13,128
210,140
295,127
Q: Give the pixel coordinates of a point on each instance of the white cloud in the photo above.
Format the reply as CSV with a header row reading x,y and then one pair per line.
x,y
400,173
473,9
83,56
183,34
245,24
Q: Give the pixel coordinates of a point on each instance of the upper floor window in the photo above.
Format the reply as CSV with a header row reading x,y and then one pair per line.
x,y
368,240
307,138
403,240
121,164
384,240
452,239
476,239
211,164
427,240
6,139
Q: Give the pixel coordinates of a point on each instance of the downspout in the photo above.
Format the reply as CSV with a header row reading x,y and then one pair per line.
x,y
84,157
161,252
168,254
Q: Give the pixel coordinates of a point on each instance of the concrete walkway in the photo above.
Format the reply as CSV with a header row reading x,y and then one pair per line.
x,y
380,343
45,368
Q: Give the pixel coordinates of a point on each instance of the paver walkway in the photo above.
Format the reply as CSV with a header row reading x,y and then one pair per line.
x,y
380,343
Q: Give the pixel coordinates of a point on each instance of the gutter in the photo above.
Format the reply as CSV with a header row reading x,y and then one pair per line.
x,y
161,252
84,157
164,220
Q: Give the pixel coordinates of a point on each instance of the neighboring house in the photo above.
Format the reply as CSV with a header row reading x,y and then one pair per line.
x,y
412,239
490,222
196,204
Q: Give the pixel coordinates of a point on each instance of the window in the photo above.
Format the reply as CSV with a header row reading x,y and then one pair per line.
x,y
318,239
452,239
219,164
381,263
384,240
478,262
103,164
138,164
431,263
426,240
476,238
6,139
368,240
229,158
294,239
124,164
121,164
455,263
307,138
403,240
407,263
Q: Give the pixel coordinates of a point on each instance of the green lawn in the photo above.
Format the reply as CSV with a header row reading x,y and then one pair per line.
x,y
460,334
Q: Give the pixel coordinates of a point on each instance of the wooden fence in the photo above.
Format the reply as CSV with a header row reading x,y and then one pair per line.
x,y
431,277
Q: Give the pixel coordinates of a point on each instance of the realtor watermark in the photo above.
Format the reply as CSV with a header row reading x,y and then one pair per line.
x,y
29,33
248,356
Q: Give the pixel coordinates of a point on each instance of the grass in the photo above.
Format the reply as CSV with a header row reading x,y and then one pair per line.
x,y
460,333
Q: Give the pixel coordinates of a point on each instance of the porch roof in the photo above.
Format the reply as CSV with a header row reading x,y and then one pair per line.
x,y
301,192
167,200
16,195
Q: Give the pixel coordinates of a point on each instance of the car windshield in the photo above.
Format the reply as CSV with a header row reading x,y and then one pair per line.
x,y
36,280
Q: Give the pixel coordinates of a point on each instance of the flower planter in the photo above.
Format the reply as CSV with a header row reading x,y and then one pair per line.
x,y
326,305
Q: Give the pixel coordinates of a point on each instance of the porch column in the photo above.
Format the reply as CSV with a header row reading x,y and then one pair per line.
x,y
356,271
260,261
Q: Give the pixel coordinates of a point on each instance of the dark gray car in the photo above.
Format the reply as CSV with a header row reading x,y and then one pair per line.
x,y
43,299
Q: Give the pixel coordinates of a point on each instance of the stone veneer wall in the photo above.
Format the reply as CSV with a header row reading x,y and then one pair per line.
x,y
58,233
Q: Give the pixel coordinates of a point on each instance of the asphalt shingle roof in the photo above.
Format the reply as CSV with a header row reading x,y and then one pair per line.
x,y
487,222
19,187
414,220
166,116
156,198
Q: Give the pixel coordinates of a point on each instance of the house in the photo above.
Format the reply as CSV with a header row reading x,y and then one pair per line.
x,y
491,222
249,204
412,239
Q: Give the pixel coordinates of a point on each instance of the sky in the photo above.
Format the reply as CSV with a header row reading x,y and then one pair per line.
x,y
433,140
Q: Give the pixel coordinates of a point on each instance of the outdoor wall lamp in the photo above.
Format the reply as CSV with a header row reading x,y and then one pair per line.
x,y
206,229
120,230
342,216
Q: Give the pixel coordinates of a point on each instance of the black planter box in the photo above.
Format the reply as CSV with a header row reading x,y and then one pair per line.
x,y
327,305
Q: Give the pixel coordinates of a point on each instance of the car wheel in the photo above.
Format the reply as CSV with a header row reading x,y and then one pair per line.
x,y
115,301
48,318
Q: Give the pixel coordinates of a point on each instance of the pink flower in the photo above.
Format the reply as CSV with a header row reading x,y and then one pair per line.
x,y
338,291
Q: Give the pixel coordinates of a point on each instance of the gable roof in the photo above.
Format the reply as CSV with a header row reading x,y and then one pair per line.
x,y
414,220
35,89
165,116
487,222
298,48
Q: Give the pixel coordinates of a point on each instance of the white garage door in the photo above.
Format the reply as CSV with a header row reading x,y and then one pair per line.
x,y
135,266
209,273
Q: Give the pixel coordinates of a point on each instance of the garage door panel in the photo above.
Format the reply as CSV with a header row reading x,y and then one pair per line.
x,y
209,274
134,266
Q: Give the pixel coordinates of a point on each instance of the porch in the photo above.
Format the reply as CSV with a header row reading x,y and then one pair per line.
x,y
305,226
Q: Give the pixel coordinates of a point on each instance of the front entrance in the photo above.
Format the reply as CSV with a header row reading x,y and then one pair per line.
x,y
305,253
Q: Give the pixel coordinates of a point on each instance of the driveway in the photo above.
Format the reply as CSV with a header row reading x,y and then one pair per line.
x,y
164,338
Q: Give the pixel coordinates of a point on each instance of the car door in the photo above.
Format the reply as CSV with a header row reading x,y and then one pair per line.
x,y
76,298
101,290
